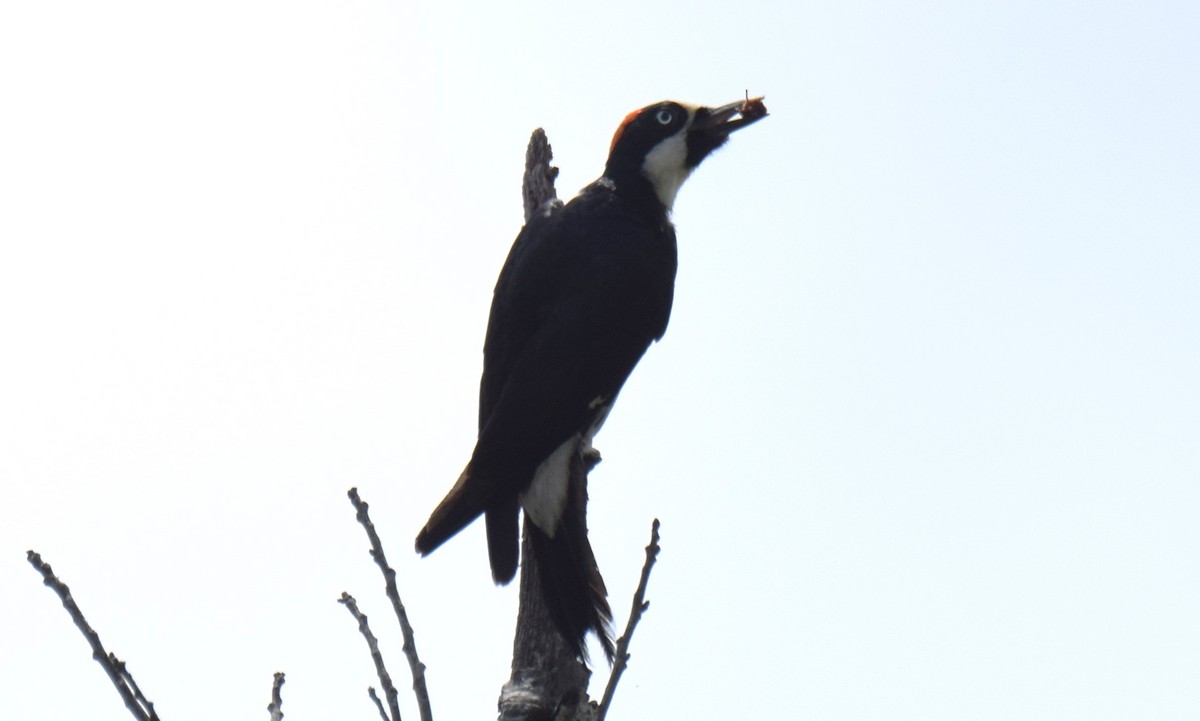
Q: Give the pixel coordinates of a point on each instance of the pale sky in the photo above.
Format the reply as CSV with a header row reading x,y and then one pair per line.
x,y
924,432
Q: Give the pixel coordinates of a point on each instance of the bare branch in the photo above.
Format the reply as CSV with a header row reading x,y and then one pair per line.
x,y
640,604
378,704
548,682
128,677
276,705
393,594
385,679
137,704
537,187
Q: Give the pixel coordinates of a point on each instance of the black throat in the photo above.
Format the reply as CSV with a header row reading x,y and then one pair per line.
x,y
635,191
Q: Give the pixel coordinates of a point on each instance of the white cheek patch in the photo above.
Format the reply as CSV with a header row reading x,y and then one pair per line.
x,y
666,167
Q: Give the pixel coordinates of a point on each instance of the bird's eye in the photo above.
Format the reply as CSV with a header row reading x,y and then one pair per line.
x,y
664,117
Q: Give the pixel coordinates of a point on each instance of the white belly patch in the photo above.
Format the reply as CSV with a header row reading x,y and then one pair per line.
x,y
546,496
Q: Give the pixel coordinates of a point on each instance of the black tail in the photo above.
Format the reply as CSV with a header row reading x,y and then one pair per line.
x,y
570,578
504,540
453,514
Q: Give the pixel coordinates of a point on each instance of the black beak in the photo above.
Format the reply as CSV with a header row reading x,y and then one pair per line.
x,y
711,126
720,122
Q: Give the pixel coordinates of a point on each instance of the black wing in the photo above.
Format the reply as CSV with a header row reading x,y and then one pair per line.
x,y
582,295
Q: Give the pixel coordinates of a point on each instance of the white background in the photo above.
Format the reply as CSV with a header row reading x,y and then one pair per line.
x,y
924,433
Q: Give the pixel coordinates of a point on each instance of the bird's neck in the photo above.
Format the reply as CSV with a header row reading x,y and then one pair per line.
x,y
636,192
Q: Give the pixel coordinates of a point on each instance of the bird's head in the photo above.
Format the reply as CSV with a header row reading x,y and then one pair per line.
x,y
663,143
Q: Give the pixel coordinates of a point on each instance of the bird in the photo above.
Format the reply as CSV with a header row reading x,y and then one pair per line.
x,y
586,288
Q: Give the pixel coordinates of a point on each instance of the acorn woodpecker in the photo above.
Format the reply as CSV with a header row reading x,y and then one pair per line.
x,y
586,288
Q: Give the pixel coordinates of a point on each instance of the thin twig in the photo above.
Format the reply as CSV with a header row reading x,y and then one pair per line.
x,y
137,704
276,705
385,679
640,604
393,594
378,704
137,692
